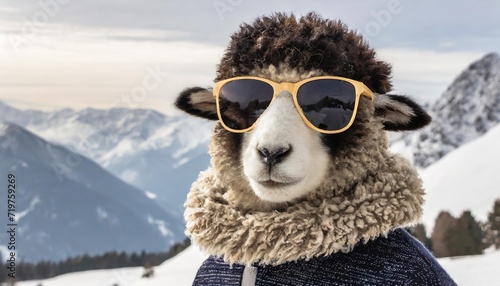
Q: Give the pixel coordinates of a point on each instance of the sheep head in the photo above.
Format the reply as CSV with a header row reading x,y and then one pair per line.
x,y
282,159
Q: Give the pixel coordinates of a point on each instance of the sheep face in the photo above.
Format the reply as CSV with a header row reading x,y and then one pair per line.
x,y
282,159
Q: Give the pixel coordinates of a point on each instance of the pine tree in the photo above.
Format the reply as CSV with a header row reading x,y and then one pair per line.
x,y
442,234
456,237
492,229
467,238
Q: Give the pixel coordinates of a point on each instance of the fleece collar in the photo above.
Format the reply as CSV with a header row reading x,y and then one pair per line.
x,y
325,222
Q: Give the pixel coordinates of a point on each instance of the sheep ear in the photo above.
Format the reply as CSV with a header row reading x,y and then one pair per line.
x,y
399,113
199,102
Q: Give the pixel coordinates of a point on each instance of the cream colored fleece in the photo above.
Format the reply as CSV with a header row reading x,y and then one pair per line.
x,y
367,193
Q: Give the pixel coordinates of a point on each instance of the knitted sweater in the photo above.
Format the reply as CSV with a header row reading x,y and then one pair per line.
x,y
397,259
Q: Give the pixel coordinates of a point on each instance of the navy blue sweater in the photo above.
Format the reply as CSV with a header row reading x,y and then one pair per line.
x,y
398,259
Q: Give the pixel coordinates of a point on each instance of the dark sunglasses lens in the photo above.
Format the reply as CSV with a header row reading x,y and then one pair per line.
x,y
242,101
328,104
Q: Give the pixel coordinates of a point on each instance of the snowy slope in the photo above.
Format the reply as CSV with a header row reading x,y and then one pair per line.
x,y
481,270
466,110
107,277
179,270
466,178
158,154
66,205
474,270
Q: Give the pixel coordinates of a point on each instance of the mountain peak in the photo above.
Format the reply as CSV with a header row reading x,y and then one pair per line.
x,y
9,128
466,110
471,92
14,135
488,58
484,67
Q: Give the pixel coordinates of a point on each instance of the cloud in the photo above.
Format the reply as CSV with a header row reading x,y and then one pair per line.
x,y
95,71
421,22
425,74
91,52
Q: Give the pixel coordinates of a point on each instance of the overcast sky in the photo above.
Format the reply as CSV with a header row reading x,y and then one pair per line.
x,y
97,53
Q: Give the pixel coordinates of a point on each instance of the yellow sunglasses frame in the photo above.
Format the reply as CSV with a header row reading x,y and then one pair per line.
x,y
293,87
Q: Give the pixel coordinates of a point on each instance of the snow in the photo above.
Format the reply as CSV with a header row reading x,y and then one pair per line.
x,y
150,195
4,251
475,270
33,203
178,271
130,176
181,162
124,147
121,276
3,128
65,132
465,179
162,225
103,215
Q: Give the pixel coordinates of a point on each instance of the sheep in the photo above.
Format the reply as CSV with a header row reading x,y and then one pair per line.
x,y
285,197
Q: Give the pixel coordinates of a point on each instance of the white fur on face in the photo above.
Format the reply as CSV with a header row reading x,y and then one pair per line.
x,y
301,171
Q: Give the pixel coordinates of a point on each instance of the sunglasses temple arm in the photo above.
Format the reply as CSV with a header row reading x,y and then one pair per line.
x,y
366,91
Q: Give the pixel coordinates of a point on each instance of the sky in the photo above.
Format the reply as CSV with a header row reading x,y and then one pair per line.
x,y
140,54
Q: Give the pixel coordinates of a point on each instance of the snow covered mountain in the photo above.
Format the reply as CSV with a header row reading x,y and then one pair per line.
x,y
158,154
466,110
464,179
67,205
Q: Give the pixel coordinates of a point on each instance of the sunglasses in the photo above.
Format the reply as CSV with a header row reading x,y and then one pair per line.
x,y
327,104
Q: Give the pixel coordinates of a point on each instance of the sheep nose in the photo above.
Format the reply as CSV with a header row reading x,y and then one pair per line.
x,y
274,156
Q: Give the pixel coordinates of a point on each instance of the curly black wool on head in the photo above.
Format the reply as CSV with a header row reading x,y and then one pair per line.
x,y
307,43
